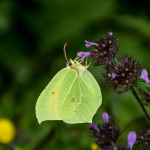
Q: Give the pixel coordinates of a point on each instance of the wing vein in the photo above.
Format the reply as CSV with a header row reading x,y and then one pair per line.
x,y
90,90
81,103
69,89
88,87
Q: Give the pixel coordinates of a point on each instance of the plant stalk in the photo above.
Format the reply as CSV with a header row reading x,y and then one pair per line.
x,y
141,105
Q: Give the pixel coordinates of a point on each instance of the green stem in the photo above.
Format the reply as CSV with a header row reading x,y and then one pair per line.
x,y
141,105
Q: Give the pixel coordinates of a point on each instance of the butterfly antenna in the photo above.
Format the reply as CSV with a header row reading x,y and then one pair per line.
x,y
65,52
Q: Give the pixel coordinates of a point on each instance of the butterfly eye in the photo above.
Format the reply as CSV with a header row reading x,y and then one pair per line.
x,y
69,63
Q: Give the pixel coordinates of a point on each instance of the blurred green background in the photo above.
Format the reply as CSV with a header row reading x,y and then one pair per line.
x,y
32,36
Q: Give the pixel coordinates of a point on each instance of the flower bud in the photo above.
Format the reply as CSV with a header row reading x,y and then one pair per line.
x,y
105,118
131,139
93,126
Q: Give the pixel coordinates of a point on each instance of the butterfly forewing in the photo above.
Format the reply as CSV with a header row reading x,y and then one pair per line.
x,y
68,95
47,104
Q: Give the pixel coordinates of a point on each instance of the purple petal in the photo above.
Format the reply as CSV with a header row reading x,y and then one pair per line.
x,y
105,118
82,59
86,54
108,147
110,33
88,44
108,63
144,75
113,75
80,54
103,45
93,126
131,138
83,55
109,75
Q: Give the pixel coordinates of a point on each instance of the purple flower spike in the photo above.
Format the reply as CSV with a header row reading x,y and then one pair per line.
x,y
144,75
131,139
88,44
93,126
83,55
105,118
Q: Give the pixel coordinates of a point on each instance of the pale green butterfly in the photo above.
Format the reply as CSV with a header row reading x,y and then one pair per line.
x,y
73,95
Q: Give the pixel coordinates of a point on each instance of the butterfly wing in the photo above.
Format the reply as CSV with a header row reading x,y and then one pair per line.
x,y
82,100
47,103
69,97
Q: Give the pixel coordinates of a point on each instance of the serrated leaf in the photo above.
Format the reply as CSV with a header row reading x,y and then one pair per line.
x,y
143,84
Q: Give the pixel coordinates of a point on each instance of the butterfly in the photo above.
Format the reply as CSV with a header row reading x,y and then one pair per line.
x,y
73,95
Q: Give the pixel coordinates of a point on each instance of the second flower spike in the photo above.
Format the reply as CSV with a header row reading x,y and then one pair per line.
x,y
123,74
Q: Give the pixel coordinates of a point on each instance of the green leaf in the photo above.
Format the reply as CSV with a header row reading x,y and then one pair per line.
x,y
143,84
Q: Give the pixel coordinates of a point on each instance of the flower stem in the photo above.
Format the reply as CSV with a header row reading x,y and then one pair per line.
x,y
141,105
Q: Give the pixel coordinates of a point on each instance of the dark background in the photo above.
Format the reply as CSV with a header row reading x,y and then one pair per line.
x,y
32,36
